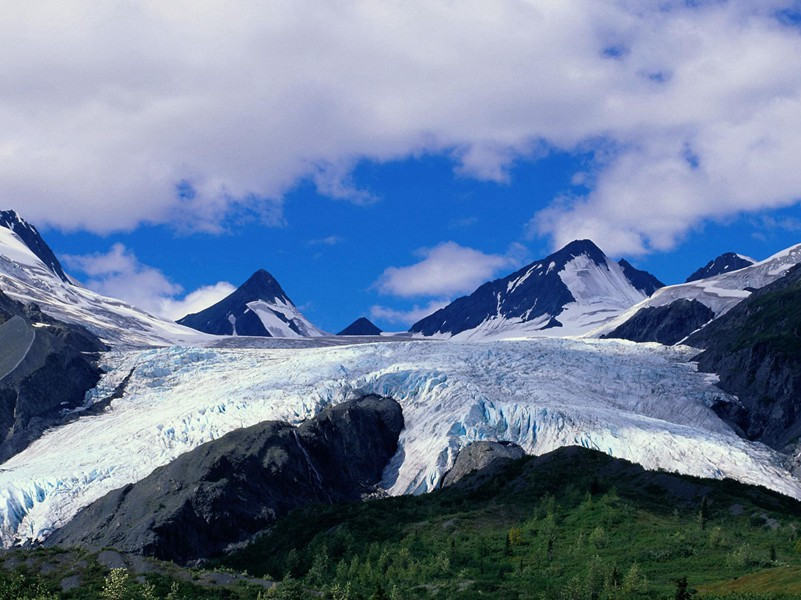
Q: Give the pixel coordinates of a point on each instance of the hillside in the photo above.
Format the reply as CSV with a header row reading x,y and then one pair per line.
x,y
570,524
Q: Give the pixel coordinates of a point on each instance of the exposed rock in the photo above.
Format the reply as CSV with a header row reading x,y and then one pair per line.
x,y
642,280
227,490
481,456
755,348
46,368
361,326
667,324
724,263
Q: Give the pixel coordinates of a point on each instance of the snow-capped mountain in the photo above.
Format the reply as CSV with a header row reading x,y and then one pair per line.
x,y
30,236
361,326
725,263
30,272
644,403
719,293
259,307
570,292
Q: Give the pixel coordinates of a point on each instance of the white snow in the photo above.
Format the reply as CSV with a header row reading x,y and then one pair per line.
x,y
268,315
24,277
601,293
720,292
642,402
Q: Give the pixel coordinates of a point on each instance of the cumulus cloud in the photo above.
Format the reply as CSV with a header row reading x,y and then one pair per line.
x,y
119,274
116,114
406,317
445,270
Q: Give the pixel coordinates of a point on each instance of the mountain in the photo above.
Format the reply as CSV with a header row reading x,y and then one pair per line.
x,y
755,349
724,263
259,307
643,403
361,326
571,291
703,300
46,369
29,272
229,489
570,524
30,236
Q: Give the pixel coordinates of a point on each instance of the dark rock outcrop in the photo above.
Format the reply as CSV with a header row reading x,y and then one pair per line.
x,y
484,456
46,368
724,263
642,280
755,348
361,326
227,490
667,324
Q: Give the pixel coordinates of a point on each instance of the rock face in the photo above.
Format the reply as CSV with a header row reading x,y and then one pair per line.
x,y
31,237
482,456
664,324
724,263
259,307
361,326
642,280
227,490
755,348
578,277
46,368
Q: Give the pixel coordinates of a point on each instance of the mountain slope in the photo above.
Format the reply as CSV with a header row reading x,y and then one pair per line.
x,y
719,294
229,489
755,348
46,368
569,292
725,263
643,403
27,277
568,524
30,236
259,307
361,326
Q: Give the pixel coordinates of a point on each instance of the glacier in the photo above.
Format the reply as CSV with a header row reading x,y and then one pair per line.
x,y
642,402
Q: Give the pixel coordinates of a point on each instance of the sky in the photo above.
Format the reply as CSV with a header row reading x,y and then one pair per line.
x,y
383,158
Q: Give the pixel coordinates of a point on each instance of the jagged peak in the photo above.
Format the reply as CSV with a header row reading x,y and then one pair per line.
x,y
33,240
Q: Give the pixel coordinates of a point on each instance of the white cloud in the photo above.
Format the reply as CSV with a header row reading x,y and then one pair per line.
x,y
107,108
406,317
119,274
445,270
331,240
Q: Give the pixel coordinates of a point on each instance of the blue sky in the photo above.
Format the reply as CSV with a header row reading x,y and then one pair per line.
x,y
381,158
329,254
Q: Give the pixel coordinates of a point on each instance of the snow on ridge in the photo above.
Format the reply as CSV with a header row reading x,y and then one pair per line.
x,y
641,402
720,292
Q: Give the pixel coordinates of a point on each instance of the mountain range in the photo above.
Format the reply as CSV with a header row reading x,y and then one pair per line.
x,y
119,428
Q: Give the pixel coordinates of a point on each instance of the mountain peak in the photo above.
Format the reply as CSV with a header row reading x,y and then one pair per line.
x,y
361,326
263,286
577,248
33,240
259,307
574,289
726,262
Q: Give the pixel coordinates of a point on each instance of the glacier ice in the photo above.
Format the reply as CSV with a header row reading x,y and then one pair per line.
x,y
641,402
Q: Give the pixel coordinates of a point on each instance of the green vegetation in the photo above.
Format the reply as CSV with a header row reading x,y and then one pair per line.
x,y
574,525
537,531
